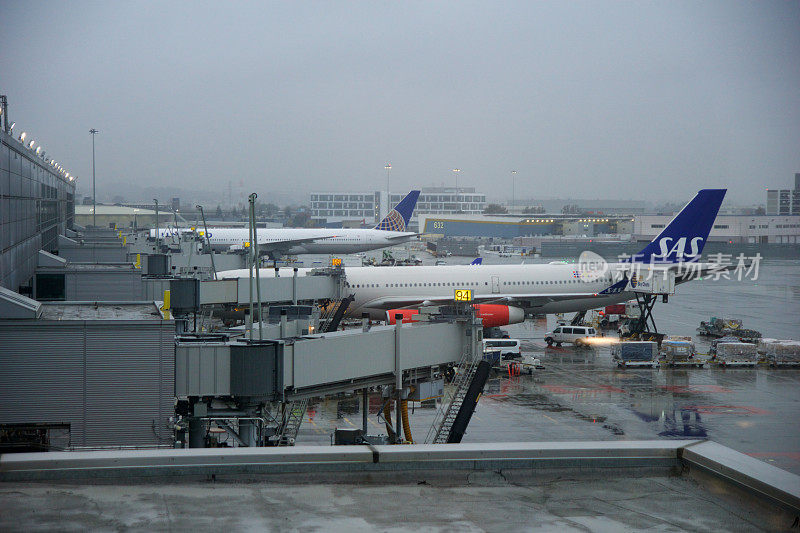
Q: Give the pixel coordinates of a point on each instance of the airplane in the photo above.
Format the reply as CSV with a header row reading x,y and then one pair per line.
x,y
535,288
542,288
276,242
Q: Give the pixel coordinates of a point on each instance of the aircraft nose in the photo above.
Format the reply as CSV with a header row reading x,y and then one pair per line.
x,y
515,315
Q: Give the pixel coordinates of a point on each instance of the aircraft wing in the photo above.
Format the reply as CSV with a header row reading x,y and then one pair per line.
x,y
282,246
406,236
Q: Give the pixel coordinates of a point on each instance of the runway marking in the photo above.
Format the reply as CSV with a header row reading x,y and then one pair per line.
x,y
316,428
550,418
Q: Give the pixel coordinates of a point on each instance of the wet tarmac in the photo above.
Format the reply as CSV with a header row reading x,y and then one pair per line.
x,y
582,395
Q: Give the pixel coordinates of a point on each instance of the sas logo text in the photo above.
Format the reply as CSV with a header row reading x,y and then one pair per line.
x,y
668,248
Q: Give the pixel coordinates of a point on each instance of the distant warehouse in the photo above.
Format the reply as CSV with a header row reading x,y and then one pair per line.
x,y
733,229
512,226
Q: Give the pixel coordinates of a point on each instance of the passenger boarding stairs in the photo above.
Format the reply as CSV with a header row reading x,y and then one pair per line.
x,y
446,415
293,417
334,317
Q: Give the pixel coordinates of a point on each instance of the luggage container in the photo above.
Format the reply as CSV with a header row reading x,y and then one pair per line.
x,y
680,351
733,354
635,353
783,353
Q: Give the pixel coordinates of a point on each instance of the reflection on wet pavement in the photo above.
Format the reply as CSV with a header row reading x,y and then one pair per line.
x,y
582,395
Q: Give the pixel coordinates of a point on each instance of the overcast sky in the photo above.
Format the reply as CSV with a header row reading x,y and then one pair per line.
x,y
632,100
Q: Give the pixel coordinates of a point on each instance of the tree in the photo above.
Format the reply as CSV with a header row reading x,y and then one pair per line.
x,y
300,219
533,210
492,209
760,210
219,212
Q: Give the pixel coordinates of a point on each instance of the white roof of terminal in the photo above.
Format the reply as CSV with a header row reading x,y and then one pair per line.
x,y
115,210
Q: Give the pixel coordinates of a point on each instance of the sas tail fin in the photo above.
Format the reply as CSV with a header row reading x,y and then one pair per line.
x,y
397,219
685,236
477,261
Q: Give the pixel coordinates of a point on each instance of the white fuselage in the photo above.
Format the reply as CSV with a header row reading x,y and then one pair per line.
x,y
374,285
325,241
409,286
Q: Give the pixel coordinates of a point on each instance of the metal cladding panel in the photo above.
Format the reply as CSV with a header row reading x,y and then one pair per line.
x,y
257,370
184,294
111,381
202,369
129,383
93,254
103,286
430,344
41,380
272,289
343,357
316,287
280,289
218,291
153,289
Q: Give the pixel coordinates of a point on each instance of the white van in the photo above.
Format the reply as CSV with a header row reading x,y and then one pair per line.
x,y
509,348
575,334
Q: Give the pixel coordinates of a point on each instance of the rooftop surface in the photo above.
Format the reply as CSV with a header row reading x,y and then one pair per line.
x,y
100,311
632,486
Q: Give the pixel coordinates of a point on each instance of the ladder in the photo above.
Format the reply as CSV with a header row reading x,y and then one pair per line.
x,y
296,411
446,415
336,314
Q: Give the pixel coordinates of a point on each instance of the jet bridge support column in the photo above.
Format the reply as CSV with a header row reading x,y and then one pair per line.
x,y
197,433
398,382
364,408
248,432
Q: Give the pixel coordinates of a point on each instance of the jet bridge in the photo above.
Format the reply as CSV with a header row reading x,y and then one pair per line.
x,y
315,365
322,284
252,389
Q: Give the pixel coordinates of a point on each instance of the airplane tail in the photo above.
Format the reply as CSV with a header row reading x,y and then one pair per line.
x,y
477,261
685,236
397,219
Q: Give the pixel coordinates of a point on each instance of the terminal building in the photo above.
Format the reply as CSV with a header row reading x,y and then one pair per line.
x,y
784,201
512,226
37,203
367,208
569,234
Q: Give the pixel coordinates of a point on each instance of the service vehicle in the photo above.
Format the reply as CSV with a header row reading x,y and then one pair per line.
x,y
577,335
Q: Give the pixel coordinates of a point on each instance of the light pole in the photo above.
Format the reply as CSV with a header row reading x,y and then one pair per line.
x,y
388,167
94,193
4,111
513,180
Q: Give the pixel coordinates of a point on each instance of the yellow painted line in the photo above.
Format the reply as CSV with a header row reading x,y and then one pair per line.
x,y
477,418
348,421
551,419
371,421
